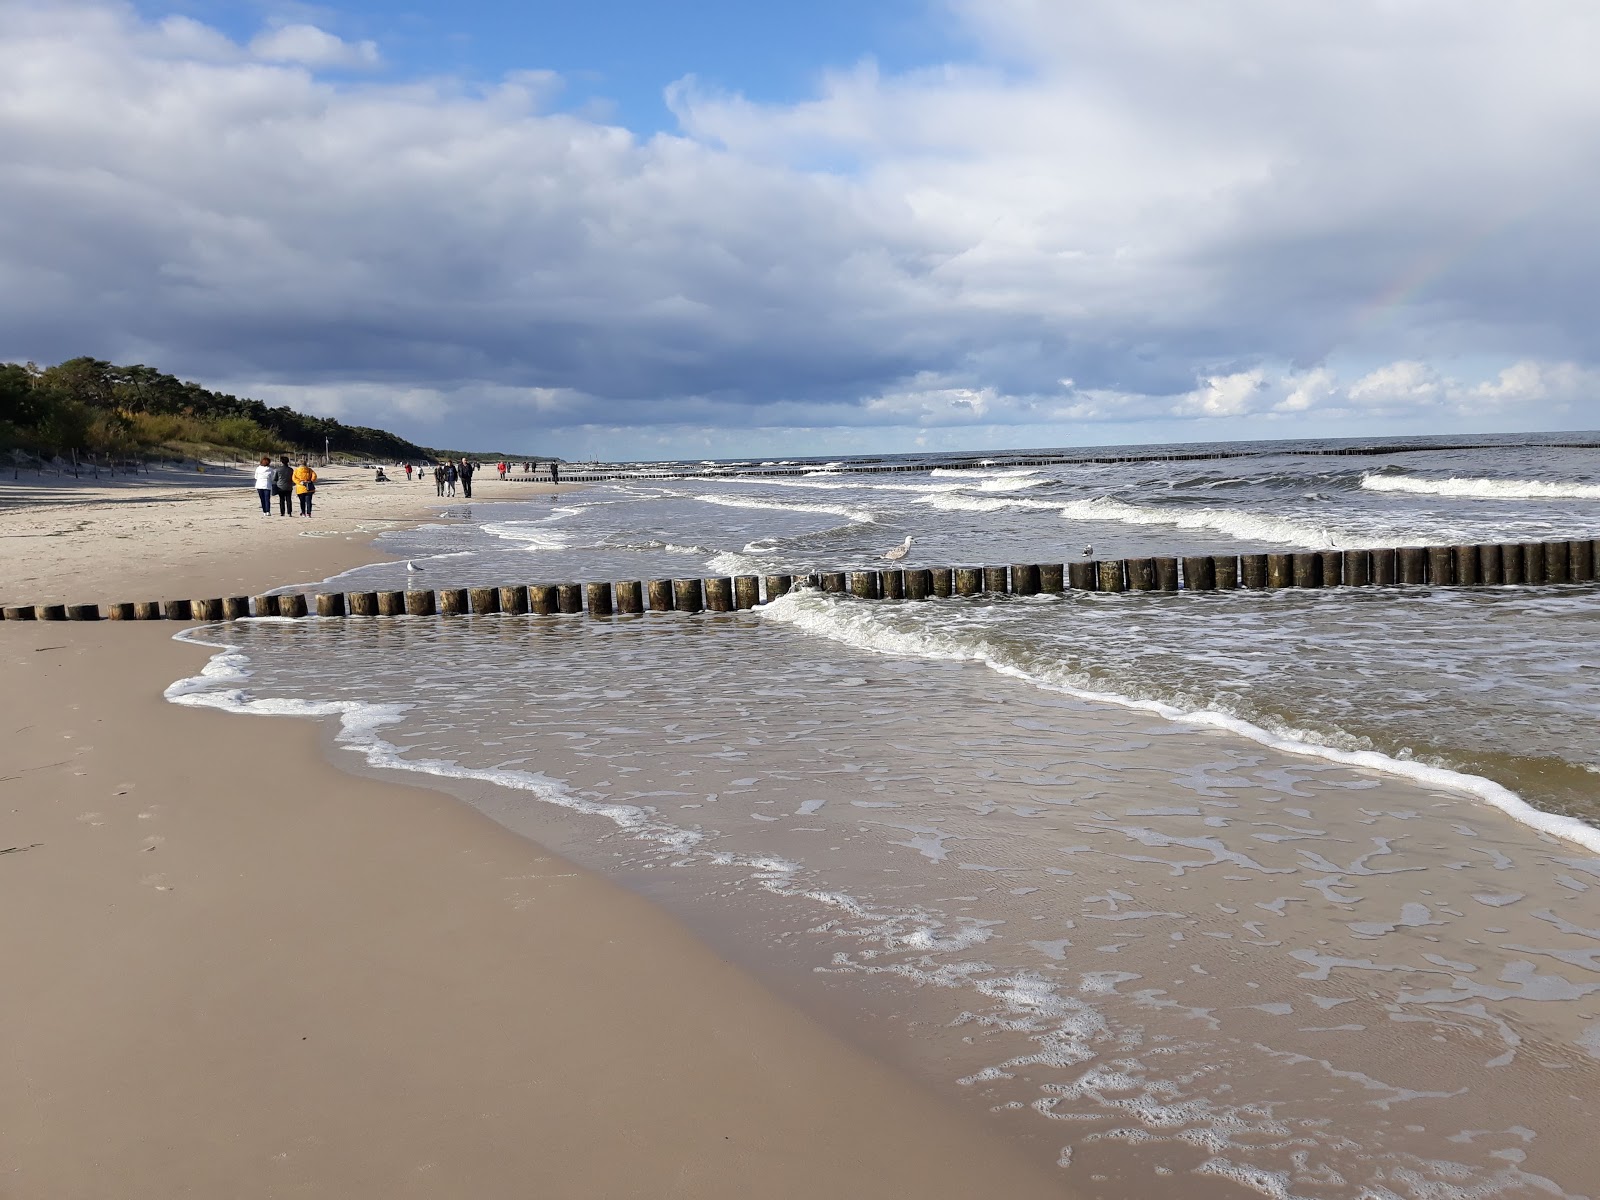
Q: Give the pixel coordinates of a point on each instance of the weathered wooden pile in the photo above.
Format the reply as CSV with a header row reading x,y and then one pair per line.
x,y
1560,562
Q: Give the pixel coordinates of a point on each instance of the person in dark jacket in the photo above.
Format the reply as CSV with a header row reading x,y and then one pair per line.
x,y
283,486
438,478
466,471
450,477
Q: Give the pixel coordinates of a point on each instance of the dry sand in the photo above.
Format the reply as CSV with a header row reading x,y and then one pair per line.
x,y
232,970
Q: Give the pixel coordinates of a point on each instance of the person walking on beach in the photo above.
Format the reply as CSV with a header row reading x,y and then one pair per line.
x,y
264,484
450,477
555,473
438,478
408,472
283,484
466,478
305,485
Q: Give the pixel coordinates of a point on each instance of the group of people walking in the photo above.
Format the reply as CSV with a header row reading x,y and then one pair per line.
x,y
447,474
282,480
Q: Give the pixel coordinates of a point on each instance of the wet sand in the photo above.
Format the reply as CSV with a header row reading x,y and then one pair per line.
x,y
234,970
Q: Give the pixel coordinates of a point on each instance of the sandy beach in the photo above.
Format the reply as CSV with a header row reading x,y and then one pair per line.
x,y
233,970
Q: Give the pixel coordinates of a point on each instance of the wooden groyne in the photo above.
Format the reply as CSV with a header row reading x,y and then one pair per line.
x,y
594,473
1558,562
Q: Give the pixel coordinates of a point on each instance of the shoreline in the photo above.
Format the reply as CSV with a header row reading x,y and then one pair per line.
x,y
245,971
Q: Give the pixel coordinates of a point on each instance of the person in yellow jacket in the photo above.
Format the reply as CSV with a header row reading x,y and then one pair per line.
x,y
305,485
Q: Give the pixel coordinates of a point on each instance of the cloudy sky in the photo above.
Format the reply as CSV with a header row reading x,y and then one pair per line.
x,y
627,228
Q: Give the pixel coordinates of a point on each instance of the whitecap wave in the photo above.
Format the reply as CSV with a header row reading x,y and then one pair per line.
x,y
963,502
1467,488
858,515
1234,522
862,626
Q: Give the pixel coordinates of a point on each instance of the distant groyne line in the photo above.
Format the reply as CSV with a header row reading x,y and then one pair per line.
x,y
992,462
1526,563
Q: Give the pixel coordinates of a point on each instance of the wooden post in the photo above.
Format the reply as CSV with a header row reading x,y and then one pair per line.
x,y
542,599
777,585
1253,571
363,604
177,610
1225,570
1052,578
1413,565
894,584
1533,562
1357,568
833,581
944,581
121,611
1199,574
1332,571
746,591
1511,569
630,596
1383,567
660,593
483,600
1557,562
206,610
597,599
1305,567
687,595
1141,574
919,583
864,585
19,612
1025,579
1280,570
83,612
150,610
50,612
994,580
969,581
453,602
1491,569
265,605
235,607
1466,565
421,604
330,604
1441,565
514,598
392,604
1166,574
1581,567
1083,576
1113,576
569,598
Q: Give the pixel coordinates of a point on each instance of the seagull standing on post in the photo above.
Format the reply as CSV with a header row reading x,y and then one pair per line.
x,y
1088,551
899,551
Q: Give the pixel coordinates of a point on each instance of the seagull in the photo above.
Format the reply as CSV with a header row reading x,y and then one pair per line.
x,y
1088,551
411,566
899,551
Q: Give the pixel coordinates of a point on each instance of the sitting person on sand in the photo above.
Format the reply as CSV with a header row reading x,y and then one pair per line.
x,y
305,485
382,478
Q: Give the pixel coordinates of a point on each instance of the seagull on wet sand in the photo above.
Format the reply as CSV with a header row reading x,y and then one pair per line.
x,y
899,551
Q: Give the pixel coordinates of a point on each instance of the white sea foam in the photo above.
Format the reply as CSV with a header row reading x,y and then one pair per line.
x,y
862,626
532,536
1481,489
1234,522
963,502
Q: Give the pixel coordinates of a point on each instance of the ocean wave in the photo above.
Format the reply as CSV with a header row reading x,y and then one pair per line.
x,y
531,536
865,628
1234,522
1467,488
859,515
984,472
962,502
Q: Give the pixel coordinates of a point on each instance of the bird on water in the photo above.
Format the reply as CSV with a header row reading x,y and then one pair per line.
x,y
899,551
1088,551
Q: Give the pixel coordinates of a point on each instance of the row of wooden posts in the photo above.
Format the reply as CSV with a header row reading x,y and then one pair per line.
x,y
1409,566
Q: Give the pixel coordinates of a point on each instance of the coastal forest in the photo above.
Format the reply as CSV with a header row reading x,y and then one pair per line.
x,y
90,407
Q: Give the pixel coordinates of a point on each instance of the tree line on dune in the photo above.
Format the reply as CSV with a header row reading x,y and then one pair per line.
x,y
88,406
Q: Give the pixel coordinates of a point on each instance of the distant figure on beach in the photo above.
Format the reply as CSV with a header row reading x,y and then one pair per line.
x,y
264,484
450,476
381,477
305,485
283,484
555,473
408,472
438,478
467,468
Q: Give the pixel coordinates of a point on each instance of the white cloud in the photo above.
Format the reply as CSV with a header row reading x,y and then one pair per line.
x,y
1115,212
312,47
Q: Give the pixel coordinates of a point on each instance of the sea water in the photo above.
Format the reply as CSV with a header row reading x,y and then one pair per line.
x,y
1293,893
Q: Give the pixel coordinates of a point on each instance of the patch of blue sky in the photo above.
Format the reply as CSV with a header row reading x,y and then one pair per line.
x,y
616,57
